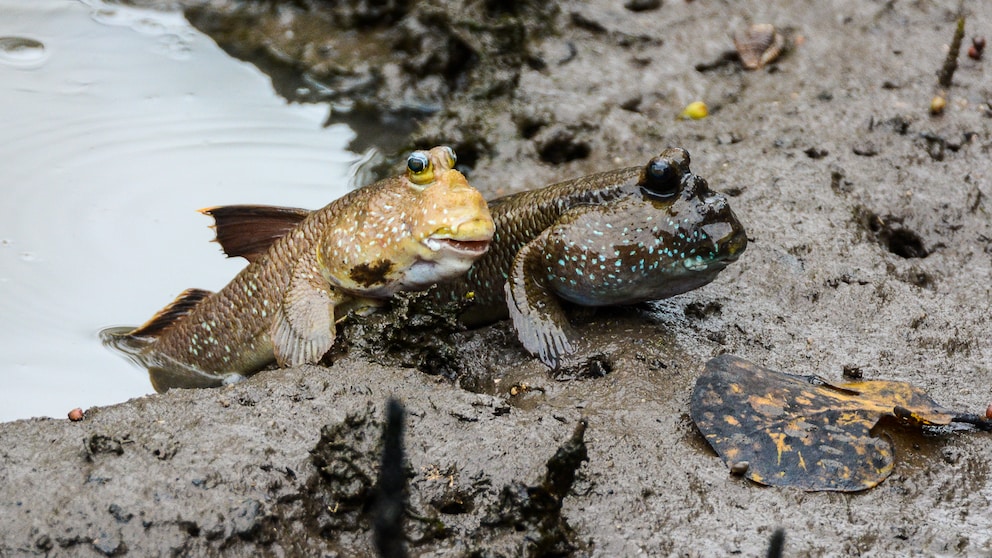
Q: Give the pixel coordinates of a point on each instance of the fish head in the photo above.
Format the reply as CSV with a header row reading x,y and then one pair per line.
x,y
671,235
694,230
450,227
411,231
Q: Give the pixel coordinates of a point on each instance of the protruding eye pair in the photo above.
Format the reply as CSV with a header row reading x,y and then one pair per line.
x,y
420,166
662,178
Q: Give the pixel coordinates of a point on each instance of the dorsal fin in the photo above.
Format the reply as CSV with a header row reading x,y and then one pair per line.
x,y
184,304
248,230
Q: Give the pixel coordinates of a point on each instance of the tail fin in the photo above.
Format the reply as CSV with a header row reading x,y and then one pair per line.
x,y
121,340
133,342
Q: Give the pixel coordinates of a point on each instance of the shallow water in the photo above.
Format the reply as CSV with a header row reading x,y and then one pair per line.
x,y
119,123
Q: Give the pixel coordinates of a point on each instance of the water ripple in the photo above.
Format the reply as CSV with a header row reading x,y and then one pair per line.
x,y
110,145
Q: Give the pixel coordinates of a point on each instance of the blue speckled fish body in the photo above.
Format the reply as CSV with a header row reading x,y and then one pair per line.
x,y
618,237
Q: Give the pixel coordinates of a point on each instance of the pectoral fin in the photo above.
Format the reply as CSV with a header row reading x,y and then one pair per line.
x,y
538,318
304,325
248,230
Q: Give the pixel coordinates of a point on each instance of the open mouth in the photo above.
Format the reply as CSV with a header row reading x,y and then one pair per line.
x,y
467,247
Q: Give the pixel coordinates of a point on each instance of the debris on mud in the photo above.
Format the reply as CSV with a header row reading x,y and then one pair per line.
x,y
411,332
946,74
787,430
531,514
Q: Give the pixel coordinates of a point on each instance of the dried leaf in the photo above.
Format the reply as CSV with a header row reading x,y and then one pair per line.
x,y
802,431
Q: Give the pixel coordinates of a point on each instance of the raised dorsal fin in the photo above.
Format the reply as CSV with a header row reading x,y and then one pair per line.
x,y
248,230
184,304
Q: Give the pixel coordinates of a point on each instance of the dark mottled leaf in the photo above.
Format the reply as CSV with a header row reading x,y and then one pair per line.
x,y
787,430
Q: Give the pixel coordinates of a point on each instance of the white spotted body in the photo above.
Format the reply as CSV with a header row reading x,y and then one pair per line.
x,y
401,233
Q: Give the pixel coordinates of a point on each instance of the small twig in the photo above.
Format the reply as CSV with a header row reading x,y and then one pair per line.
x,y
946,73
979,422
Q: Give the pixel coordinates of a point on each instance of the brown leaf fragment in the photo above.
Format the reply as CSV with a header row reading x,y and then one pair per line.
x,y
803,431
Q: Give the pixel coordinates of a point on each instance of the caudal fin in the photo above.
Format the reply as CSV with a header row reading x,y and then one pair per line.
x,y
121,340
133,342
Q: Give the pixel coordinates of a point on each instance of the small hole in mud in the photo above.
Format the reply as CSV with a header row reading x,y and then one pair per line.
x,y
530,128
889,231
906,244
562,149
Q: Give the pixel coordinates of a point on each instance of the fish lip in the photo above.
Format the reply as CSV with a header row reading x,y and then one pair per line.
x,y
468,247
735,246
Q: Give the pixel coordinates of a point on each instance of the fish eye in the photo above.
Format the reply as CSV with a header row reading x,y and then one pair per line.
x,y
417,162
661,178
419,165
452,158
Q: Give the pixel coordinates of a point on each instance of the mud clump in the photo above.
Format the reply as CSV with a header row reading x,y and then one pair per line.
x,y
532,513
346,462
411,333
389,56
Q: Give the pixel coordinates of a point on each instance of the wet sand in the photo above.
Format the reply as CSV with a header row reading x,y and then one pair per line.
x,y
870,250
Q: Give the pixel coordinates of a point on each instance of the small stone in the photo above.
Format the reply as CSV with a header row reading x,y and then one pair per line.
x,y
695,111
976,48
937,105
739,468
988,411
76,415
642,5
866,149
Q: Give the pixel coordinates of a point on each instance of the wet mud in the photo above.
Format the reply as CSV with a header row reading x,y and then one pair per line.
x,y
870,255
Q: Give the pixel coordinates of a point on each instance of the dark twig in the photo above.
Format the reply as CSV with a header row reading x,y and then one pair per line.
x,y
946,73
390,499
777,544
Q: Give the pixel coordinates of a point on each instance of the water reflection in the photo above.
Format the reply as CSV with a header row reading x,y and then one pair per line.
x,y
118,124
23,52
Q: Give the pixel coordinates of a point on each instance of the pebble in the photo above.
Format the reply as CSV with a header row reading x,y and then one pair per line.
x,y
976,48
937,105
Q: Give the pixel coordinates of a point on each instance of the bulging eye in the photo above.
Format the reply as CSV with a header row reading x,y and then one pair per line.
x,y
452,158
419,165
417,162
661,178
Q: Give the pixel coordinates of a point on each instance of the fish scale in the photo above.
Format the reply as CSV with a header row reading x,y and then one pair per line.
x,y
617,237
401,233
519,218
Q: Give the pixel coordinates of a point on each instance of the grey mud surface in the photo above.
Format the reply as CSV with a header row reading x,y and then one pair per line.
x,y
871,251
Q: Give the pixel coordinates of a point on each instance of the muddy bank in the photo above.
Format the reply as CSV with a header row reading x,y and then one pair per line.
x,y
870,250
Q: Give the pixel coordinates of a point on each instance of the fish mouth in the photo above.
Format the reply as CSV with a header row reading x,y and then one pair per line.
x,y
463,247
734,246
729,239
